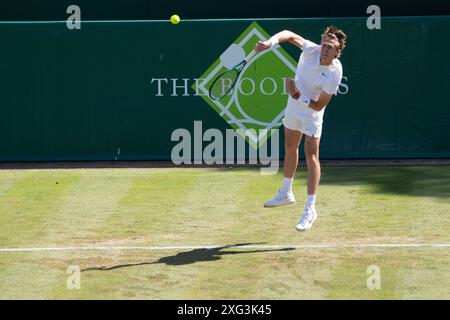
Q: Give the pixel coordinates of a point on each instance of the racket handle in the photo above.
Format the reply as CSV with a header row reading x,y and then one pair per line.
x,y
250,55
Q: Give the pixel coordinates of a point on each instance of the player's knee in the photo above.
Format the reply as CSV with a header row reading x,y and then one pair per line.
x,y
312,156
290,146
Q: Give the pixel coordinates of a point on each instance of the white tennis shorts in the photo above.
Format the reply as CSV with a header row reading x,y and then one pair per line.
x,y
298,116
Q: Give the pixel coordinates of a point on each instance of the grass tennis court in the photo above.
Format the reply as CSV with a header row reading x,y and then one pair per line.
x,y
197,207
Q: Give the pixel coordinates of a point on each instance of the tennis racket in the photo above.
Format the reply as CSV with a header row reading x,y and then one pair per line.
x,y
225,82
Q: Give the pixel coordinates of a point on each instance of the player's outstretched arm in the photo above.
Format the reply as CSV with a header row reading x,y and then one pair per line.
x,y
283,36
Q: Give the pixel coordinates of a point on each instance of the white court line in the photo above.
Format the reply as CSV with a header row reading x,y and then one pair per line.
x,y
248,247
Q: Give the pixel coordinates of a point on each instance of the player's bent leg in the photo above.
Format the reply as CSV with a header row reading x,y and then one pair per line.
x,y
285,195
291,143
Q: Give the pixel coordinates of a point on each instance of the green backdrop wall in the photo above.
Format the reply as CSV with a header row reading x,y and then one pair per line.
x,y
86,94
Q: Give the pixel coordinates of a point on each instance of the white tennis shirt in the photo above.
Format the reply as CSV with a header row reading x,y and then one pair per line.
x,y
311,78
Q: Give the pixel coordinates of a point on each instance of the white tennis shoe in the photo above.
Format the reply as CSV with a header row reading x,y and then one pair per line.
x,y
307,220
280,199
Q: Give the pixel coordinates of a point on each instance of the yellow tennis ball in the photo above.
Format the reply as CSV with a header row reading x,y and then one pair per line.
x,y
175,19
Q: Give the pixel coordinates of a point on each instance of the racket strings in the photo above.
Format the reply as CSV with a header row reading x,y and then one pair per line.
x,y
223,85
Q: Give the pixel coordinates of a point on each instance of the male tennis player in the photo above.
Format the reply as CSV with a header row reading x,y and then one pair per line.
x,y
318,75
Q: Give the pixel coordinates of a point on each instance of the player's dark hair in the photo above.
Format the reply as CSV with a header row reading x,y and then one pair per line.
x,y
337,33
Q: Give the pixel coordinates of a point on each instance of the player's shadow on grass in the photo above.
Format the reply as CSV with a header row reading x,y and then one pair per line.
x,y
193,256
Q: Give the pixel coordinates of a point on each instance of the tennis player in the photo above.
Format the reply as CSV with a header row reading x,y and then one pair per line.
x,y
317,78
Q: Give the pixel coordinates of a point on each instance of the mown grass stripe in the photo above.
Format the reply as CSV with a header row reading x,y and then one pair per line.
x,y
244,247
28,203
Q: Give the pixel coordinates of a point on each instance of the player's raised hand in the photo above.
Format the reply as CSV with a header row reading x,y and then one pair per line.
x,y
262,45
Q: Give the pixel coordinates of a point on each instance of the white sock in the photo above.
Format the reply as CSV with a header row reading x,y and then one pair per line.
x,y
287,185
311,201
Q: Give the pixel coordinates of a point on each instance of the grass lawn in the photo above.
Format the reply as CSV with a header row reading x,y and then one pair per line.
x,y
218,207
